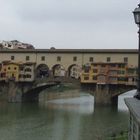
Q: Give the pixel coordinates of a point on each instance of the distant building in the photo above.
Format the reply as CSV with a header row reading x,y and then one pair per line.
x,y
14,44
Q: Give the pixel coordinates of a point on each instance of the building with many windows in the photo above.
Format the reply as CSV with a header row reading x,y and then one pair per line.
x,y
69,62
27,72
9,71
18,72
109,73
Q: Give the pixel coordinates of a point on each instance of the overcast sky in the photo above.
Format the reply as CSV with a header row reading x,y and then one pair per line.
x,y
85,24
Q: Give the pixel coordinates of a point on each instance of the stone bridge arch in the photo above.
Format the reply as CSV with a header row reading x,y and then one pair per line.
x,y
42,70
74,71
32,95
58,71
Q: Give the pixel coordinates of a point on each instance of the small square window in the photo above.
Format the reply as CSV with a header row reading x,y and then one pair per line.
x,y
86,78
12,57
108,59
42,58
21,68
125,59
95,71
27,58
86,69
91,59
94,77
74,58
58,58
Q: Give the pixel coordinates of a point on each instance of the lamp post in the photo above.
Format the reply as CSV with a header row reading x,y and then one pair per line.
x,y
136,13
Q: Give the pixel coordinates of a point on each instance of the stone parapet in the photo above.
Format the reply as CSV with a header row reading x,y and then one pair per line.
x,y
133,105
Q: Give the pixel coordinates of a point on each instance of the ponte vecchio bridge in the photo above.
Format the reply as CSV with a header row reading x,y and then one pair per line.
x,y
99,70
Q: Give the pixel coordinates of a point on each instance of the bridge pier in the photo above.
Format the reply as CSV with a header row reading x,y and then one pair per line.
x,y
102,93
24,91
103,96
14,92
106,94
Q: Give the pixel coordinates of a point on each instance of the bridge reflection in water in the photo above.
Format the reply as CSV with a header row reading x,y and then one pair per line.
x,y
74,119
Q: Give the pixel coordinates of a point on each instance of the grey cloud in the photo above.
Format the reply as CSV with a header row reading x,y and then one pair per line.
x,y
71,10
70,23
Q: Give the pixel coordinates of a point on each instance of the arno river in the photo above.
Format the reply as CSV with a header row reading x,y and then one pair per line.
x,y
65,119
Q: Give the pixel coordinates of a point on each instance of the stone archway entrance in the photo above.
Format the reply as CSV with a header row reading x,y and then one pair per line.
x,y
74,71
42,70
58,71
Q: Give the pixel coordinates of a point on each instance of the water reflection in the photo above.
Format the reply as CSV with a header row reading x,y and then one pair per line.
x,y
67,119
83,104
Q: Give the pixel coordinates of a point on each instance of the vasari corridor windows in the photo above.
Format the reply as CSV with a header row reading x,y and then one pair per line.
x,y
58,58
27,58
12,57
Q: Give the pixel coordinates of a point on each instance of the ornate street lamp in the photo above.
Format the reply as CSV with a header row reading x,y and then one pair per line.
x,y
136,13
